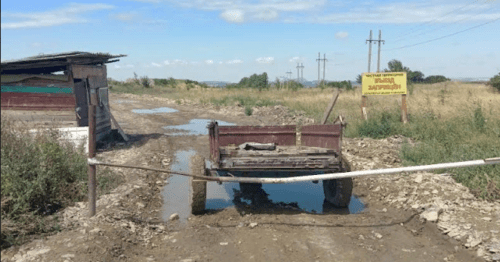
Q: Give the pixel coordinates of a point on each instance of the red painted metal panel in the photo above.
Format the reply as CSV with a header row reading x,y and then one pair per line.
x,y
38,101
325,136
281,135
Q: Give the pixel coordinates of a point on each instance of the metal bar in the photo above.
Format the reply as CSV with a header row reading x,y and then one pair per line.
x,y
386,171
91,170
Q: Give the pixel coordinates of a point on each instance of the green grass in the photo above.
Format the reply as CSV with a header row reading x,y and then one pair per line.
x,y
471,136
40,175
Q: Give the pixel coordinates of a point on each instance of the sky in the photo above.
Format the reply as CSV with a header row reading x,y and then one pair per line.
x,y
226,40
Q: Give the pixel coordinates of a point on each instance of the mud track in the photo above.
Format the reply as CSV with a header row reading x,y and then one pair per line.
x,y
130,224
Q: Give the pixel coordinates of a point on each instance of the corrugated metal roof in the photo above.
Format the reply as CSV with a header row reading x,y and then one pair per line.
x,y
73,54
48,63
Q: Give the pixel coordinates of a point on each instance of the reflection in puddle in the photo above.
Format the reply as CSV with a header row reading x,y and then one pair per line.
x,y
154,110
194,127
176,193
300,197
124,101
294,197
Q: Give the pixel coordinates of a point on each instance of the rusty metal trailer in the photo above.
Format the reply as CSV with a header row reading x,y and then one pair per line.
x,y
273,151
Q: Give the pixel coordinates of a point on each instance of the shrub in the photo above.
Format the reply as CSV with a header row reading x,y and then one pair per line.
x,y
495,82
38,172
248,110
145,82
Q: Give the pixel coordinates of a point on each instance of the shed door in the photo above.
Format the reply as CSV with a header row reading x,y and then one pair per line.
x,y
82,106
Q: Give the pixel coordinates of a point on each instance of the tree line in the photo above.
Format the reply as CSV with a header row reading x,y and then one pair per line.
x,y
411,76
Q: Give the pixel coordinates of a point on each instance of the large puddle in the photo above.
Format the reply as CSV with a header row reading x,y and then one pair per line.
x,y
272,198
155,110
176,193
194,127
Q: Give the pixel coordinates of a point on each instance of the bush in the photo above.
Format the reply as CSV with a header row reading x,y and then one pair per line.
x,y
145,82
38,172
248,110
495,82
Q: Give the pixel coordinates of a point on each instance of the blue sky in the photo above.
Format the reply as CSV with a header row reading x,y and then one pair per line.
x,y
226,40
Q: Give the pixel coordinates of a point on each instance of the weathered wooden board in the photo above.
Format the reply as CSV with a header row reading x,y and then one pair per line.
x,y
84,71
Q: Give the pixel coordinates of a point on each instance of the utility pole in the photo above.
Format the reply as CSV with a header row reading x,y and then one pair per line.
x,y
301,72
319,61
324,65
298,75
369,41
379,41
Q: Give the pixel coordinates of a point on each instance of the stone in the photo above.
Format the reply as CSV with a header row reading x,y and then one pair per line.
x,y
141,205
494,247
378,235
95,230
419,178
223,243
431,214
473,241
173,217
68,256
487,219
252,225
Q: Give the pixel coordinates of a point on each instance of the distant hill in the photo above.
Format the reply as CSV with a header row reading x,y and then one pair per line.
x,y
216,83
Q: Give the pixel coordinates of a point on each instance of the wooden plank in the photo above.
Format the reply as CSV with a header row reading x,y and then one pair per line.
x,y
120,130
330,107
84,71
97,82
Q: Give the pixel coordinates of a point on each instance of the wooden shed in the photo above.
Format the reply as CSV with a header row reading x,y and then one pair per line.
x,y
57,87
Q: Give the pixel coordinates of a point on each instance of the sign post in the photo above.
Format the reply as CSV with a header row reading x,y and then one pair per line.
x,y
385,83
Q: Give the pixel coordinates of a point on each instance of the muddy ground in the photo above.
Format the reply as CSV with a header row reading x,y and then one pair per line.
x,y
417,217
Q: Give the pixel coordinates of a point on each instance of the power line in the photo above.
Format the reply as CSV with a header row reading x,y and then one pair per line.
x,y
446,25
435,39
433,20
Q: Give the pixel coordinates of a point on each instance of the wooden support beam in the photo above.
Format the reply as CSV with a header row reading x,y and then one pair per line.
x,y
330,107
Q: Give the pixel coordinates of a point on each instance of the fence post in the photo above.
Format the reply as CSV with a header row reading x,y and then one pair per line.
x,y
91,171
404,109
364,100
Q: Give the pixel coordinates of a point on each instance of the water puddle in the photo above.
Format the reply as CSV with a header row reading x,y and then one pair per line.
x,y
154,110
271,198
124,101
176,193
300,197
194,127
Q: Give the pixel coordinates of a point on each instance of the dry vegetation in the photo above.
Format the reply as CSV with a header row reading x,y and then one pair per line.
x,y
450,121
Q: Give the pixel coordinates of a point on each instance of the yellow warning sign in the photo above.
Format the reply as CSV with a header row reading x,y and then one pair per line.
x,y
388,83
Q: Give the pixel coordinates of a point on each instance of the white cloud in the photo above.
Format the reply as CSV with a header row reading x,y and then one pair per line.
x,y
209,62
331,12
66,15
155,64
410,12
179,62
125,17
220,62
233,16
117,66
341,35
236,11
235,61
129,66
166,62
266,15
296,59
265,60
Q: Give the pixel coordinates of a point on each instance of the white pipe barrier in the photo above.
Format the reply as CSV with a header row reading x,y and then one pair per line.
x,y
386,171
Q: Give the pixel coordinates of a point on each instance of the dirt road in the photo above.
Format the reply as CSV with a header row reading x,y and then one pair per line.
x,y
385,223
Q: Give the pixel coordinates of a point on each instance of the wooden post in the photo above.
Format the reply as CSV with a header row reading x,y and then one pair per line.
x,y
364,100
404,109
330,107
91,171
